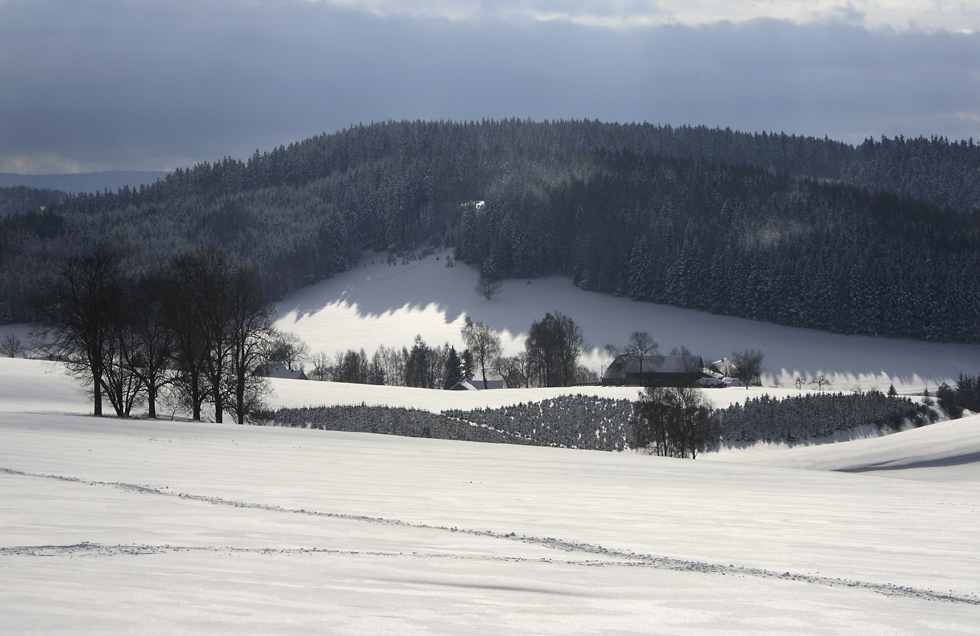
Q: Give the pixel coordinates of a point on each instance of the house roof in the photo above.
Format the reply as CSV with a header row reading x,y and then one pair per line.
x,y
724,367
476,385
281,371
626,363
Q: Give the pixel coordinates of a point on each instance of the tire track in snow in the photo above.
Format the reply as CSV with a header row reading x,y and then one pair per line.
x,y
615,557
88,548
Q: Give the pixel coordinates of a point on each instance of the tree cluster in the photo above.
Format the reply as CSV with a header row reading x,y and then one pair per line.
x,y
674,422
550,358
421,366
197,327
803,417
965,396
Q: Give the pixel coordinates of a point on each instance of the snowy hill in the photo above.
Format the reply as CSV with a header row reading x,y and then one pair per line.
x,y
167,526
380,304
147,527
948,452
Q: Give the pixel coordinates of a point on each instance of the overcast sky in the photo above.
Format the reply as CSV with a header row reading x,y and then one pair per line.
x,y
89,85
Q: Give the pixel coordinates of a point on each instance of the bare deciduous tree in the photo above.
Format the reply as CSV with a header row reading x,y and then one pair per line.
x,y
689,363
516,370
642,347
220,323
11,345
820,382
554,345
748,366
487,285
674,422
287,349
79,312
484,345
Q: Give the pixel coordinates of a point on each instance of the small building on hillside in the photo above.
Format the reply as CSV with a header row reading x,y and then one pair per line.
x,y
280,371
476,385
724,367
625,370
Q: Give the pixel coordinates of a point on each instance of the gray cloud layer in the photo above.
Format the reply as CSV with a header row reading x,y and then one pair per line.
x,y
157,84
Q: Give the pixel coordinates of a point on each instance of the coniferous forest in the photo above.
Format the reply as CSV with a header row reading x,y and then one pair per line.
x,y
878,239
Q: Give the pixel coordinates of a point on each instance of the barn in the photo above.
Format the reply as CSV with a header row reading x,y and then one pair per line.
x,y
625,370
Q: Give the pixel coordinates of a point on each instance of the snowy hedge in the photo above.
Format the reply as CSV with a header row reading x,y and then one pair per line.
x,y
578,421
815,415
594,423
572,421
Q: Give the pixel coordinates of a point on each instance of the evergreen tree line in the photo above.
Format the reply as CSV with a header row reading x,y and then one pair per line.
x,y
795,230
740,242
669,422
965,396
386,420
194,332
802,417
577,421
567,421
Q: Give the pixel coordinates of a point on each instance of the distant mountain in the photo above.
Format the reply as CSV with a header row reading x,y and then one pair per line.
x,y
92,182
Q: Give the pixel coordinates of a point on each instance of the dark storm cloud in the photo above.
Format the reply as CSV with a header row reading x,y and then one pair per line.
x,y
158,84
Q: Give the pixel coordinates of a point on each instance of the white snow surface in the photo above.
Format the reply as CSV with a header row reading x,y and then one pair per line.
x,y
379,304
172,527
151,527
947,452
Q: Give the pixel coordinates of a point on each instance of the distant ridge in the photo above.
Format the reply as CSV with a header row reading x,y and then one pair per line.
x,y
793,230
110,180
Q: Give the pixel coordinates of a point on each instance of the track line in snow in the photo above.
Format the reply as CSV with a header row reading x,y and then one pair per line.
x,y
610,557
90,549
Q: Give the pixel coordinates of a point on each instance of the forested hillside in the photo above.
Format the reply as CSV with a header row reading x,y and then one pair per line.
x,y
21,199
880,239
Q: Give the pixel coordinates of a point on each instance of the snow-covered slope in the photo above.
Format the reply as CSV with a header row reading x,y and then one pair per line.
x,y
173,527
380,304
146,527
947,451
33,386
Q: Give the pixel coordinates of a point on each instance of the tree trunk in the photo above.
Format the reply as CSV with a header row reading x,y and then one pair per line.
x,y
196,397
240,396
97,393
151,401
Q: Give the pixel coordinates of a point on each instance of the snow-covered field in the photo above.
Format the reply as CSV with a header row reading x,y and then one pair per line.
x,y
143,527
153,527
